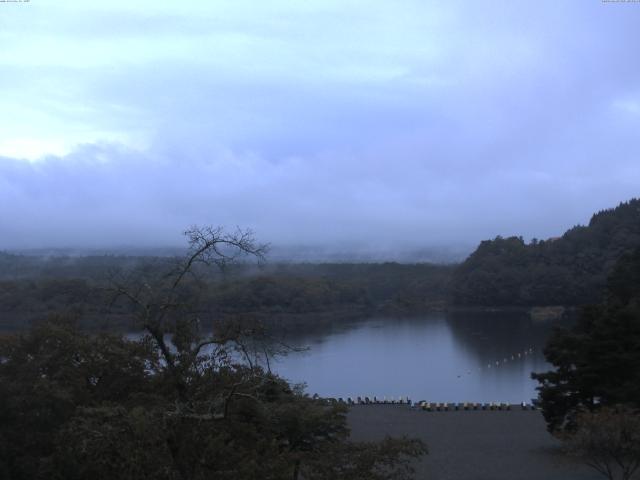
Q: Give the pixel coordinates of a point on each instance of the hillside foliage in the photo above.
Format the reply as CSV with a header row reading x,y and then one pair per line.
x,y
569,270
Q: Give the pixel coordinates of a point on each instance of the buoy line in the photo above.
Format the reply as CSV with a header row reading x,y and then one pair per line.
x,y
509,358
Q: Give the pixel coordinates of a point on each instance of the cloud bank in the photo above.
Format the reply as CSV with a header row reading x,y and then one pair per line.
x,y
391,124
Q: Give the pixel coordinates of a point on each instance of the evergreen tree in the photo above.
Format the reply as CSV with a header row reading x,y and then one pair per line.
x,y
597,362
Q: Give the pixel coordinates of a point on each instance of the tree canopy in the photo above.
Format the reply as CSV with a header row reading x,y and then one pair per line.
x,y
597,362
569,270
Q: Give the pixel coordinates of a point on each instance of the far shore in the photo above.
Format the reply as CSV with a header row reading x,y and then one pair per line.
x,y
17,321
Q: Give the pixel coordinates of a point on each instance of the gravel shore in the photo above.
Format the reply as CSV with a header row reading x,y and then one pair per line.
x,y
473,445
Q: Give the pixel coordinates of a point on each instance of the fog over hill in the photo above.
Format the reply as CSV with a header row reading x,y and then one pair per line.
x,y
279,253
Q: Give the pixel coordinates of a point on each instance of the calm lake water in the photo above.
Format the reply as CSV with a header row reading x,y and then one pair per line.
x,y
439,358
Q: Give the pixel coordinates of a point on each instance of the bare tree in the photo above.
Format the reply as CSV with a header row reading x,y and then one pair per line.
x,y
164,301
608,440
191,410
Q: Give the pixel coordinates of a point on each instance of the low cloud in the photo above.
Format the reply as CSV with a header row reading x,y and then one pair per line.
x,y
109,195
322,123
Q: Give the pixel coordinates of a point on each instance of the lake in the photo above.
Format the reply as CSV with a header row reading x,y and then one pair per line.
x,y
438,357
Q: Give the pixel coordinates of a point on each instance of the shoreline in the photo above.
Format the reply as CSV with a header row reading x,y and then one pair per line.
x,y
473,445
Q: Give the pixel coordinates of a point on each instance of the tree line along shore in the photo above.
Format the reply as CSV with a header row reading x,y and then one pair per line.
x,y
569,271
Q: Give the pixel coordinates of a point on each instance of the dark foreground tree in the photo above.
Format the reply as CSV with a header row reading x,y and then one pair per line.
x,y
597,362
46,375
177,403
608,441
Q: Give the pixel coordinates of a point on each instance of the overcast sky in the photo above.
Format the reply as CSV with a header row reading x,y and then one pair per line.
x,y
314,122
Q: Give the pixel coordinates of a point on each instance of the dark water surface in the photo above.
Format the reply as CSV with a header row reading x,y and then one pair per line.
x,y
440,357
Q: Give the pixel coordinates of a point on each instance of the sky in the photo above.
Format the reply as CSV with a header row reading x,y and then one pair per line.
x,y
377,124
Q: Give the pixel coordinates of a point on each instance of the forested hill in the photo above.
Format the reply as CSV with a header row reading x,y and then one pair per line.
x,y
569,270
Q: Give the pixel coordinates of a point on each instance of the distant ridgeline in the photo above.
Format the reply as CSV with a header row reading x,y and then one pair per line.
x,y
570,270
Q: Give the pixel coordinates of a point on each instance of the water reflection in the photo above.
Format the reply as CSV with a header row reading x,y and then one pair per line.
x,y
440,357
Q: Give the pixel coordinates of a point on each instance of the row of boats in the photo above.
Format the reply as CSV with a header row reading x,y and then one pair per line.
x,y
443,407
436,406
